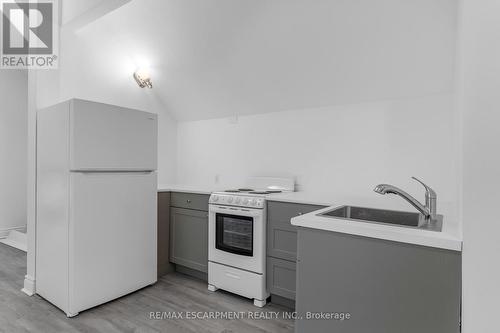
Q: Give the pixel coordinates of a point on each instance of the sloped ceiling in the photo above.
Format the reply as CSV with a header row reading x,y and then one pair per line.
x,y
77,13
72,9
218,58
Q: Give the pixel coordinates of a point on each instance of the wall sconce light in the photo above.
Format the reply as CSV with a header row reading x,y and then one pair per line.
x,y
143,78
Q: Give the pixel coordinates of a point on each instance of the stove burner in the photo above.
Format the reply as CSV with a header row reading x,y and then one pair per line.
x,y
232,191
274,191
260,192
245,189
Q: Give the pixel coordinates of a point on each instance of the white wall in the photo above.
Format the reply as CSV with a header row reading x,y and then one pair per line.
x,y
365,92
347,149
13,149
480,105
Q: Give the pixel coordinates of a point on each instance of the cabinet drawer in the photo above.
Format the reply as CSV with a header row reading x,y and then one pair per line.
x,y
281,277
281,234
189,200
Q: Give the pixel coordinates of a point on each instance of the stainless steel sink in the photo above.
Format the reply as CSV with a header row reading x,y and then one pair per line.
x,y
393,217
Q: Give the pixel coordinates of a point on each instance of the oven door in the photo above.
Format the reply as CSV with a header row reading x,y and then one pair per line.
x,y
234,234
236,237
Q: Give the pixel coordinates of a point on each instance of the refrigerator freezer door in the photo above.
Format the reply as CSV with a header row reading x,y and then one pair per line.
x,y
107,137
112,246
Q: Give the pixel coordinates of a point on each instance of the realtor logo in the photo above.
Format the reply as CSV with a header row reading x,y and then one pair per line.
x,y
29,34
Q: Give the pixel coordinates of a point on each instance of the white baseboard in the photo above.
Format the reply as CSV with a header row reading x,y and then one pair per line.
x,y
5,232
16,239
29,286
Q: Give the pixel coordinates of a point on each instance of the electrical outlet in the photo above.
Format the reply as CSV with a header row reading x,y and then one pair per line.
x,y
233,119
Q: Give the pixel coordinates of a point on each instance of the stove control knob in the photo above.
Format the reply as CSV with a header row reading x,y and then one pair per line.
x,y
215,198
238,200
245,201
230,199
253,202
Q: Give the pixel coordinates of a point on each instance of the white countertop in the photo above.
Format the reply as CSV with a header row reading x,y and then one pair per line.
x,y
449,238
186,188
307,198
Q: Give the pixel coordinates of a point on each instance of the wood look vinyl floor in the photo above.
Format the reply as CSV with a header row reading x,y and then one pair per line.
x,y
173,293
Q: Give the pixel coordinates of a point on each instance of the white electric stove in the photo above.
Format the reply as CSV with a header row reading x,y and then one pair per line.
x,y
237,237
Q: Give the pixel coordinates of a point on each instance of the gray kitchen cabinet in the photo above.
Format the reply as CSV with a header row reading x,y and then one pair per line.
x,y
281,277
189,238
189,200
163,234
385,286
281,234
282,248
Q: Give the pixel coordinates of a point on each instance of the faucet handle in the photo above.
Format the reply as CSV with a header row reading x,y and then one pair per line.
x,y
430,192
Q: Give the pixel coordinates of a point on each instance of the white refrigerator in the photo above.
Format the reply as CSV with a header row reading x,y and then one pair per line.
x,y
96,203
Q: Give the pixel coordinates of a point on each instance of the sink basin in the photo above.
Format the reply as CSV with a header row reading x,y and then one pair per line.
x,y
393,217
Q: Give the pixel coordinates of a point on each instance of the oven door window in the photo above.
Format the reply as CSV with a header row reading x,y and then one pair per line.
x,y
234,234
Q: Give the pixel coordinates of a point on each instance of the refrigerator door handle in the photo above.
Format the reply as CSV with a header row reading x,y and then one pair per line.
x,y
96,171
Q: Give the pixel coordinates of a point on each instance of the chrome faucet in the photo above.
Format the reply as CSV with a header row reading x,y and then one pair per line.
x,y
430,208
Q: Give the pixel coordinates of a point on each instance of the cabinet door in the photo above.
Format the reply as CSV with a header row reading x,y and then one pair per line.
x,y
281,234
281,277
189,238
163,228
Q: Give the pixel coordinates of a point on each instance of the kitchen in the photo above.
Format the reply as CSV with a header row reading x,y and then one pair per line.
x,y
321,101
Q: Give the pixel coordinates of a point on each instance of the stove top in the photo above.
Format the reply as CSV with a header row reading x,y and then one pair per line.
x,y
252,191
254,194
